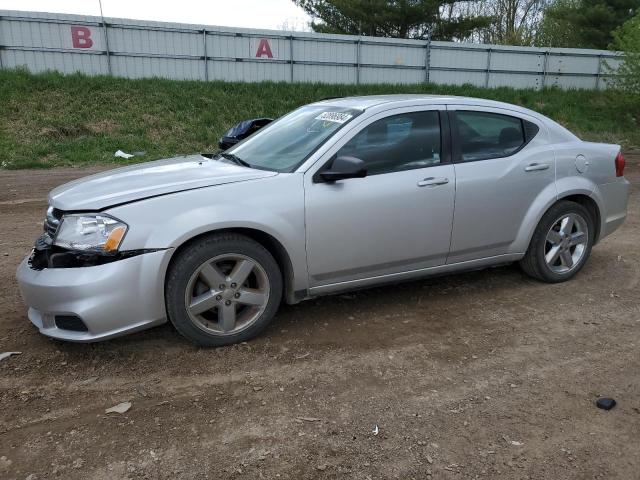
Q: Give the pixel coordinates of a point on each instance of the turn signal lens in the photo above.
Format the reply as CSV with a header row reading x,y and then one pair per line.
x,y
115,237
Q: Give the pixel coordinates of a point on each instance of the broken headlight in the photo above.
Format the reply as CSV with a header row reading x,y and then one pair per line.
x,y
90,233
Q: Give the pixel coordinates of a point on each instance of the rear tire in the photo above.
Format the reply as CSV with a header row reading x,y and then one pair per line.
x,y
222,289
561,243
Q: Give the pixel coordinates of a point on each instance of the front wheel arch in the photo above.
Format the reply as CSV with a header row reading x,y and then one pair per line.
x,y
275,248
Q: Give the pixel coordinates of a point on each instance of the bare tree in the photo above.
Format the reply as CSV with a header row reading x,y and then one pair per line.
x,y
294,24
514,22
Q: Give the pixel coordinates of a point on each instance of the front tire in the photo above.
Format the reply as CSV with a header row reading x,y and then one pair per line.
x,y
560,244
222,289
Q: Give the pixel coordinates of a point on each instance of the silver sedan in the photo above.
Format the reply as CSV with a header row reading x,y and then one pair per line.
x,y
336,195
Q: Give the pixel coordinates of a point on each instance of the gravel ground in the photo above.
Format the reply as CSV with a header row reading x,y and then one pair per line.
x,y
481,375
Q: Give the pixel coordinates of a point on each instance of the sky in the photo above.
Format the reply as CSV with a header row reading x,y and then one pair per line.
x,y
271,14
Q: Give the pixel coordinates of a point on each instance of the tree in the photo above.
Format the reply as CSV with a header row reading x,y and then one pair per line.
x,y
584,23
391,18
627,39
555,29
514,22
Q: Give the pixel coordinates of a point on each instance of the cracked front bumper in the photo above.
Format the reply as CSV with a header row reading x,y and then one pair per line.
x,y
112,299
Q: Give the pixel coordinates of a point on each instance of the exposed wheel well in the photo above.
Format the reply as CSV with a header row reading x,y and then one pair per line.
x,y
591,206
274,247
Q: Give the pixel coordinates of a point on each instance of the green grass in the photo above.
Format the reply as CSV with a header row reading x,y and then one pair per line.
x,y
49,119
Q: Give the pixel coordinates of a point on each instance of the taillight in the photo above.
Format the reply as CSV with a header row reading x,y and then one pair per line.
x,y
620,162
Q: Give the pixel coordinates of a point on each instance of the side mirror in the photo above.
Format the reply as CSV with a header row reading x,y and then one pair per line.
x,y
241,131
341,168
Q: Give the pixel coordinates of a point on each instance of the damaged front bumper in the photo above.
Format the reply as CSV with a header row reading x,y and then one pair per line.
x,y
82,298
46,255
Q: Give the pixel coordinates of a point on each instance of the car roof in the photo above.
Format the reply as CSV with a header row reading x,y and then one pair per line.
x,y
369,101
383,102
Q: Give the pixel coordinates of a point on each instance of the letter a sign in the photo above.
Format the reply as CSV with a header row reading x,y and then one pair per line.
x,y
264,49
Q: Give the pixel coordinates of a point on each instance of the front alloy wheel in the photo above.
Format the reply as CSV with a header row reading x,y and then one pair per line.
x,y
227,293
222,289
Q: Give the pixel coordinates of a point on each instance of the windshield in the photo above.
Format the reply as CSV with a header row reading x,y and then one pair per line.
x,y
286,143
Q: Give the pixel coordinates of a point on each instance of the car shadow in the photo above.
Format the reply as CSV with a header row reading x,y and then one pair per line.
x,y
428,309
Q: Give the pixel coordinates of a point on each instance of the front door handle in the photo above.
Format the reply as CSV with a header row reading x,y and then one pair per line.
x,y
432,182
534,167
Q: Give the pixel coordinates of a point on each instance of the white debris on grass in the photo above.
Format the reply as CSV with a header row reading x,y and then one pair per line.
x,y
122,154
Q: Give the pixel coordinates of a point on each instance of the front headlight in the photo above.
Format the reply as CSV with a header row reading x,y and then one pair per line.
x,y
91,233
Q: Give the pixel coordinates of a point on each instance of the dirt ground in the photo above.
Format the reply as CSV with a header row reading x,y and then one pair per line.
x,y
481,375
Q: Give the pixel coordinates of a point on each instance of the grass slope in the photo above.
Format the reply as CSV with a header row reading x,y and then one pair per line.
x,y
50,119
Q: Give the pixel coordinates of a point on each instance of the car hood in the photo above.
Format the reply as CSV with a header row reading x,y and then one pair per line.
x,y
136,182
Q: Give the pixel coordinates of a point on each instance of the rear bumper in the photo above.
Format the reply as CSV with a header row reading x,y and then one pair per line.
x,y
111,299
615,198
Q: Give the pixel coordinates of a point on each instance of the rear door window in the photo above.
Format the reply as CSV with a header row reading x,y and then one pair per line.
x,y
485,135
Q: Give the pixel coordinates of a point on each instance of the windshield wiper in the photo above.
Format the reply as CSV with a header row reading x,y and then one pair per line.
x,y
235,159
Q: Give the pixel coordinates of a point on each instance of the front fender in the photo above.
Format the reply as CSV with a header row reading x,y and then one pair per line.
x,y
274,205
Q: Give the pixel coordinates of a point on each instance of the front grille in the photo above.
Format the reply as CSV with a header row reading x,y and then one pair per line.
x,y
52,221
70,322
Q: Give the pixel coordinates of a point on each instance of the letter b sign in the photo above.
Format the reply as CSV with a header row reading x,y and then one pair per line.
x,y
81,37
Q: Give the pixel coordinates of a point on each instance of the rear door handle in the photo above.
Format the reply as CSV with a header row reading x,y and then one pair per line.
x,y
534,167
432,182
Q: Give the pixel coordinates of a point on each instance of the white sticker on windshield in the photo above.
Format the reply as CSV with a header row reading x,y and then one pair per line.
x,y
336,117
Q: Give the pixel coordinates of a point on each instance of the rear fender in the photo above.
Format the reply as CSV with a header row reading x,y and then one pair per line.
x,y
538,207
562,188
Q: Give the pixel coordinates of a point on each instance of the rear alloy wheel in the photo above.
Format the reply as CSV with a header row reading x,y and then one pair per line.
x,y
560,244
566,243
223,289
